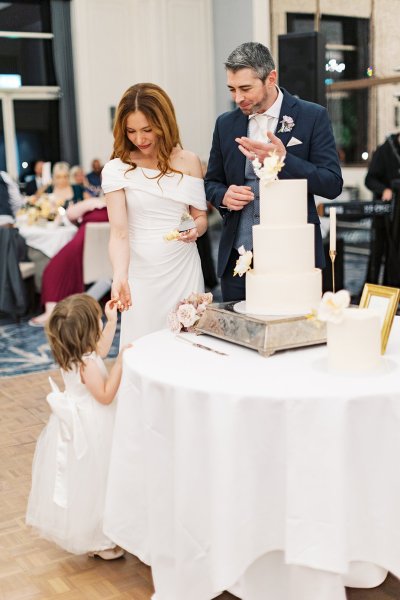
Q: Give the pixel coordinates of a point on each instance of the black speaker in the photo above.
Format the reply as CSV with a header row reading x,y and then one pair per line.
x,y
302,65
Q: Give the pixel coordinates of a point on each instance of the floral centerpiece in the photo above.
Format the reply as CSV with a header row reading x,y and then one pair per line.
x,y
188,312
46,208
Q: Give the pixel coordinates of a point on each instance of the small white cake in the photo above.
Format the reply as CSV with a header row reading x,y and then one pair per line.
x,y
354,344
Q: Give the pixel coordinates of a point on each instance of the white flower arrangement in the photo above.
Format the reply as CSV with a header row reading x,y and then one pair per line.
x,y
46,207
243,262
188,312
287,124
332,306
272,165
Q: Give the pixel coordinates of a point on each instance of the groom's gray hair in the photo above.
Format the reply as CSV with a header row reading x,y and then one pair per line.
x,y
251,55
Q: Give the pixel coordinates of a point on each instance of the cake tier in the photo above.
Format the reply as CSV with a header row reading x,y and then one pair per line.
x,y
354,344
283,294
283,249
283,202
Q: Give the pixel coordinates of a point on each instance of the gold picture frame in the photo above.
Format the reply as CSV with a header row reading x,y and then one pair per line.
x,y
385,300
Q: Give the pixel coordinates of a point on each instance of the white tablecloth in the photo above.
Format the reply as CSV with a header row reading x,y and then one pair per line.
x,y
48,239
220,460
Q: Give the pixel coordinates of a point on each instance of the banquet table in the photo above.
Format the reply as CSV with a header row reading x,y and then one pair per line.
x,y
47,238
270,477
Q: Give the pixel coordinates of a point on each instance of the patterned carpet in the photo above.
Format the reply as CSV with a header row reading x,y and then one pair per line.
x,y
24,349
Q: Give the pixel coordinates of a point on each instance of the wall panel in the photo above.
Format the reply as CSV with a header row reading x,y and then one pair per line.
x,y
121,42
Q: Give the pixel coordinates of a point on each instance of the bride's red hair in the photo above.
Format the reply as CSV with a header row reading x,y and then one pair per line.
x,y
157,107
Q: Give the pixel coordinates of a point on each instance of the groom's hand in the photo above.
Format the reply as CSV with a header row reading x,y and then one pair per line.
x,y
237,196
253,149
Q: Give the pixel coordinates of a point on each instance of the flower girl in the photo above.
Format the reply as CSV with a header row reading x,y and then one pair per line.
x,y
70,465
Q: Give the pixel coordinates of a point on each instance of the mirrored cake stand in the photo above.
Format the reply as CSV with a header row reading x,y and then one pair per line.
x,y
229,321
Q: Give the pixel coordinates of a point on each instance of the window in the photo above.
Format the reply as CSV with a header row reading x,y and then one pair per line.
x,y
29,94
36,126
30,59
25,15
347,58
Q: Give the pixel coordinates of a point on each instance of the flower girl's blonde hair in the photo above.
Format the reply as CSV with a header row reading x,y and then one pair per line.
x,y
74,329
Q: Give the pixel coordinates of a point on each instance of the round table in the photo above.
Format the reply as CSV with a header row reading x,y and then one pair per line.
x,y
44,242
49,238
271,472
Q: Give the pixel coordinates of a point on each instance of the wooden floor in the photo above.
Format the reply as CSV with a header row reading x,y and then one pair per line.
x,y
33,569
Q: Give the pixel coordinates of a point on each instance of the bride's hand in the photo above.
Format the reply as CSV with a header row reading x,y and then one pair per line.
x,y
189,236
121,294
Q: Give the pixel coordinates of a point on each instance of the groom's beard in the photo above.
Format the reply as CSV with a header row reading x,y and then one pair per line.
x,y
258,107
254,109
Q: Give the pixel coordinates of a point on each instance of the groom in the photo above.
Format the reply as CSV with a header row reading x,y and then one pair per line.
x,y
299,131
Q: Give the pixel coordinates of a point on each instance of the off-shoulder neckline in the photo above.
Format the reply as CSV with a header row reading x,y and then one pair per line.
x,y
157,171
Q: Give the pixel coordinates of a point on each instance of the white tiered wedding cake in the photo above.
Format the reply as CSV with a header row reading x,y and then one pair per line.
x,y
284,280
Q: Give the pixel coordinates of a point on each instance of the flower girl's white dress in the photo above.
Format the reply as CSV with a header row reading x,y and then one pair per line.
x,y
70,466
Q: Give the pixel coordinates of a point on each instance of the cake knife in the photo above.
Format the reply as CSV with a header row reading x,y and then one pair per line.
x,y
197,345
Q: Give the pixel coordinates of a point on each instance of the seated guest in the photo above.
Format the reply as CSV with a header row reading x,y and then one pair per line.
x,y
61,187
63,275
78,177
11,200
35,182
94,177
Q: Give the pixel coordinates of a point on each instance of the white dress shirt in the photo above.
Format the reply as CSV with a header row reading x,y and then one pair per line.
x,y
259,123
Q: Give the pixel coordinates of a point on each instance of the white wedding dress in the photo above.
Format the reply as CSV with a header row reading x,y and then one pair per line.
x,y
161,273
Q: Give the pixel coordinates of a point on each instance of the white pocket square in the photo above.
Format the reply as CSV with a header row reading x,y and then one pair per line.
x,y
294,142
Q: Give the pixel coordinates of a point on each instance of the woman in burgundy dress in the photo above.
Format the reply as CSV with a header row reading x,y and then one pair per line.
x,y
63,275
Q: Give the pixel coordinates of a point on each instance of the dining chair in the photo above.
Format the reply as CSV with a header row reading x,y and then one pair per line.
x,y
13,296
96,262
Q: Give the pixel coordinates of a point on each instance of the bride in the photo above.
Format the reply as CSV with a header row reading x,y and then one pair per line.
x,y
148,184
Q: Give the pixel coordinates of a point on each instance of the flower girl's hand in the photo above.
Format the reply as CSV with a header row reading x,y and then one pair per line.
x,y
189,236
111,310
125,348
122,350
121,294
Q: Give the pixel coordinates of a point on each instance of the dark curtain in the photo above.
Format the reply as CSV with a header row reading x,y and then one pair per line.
x,y
63,63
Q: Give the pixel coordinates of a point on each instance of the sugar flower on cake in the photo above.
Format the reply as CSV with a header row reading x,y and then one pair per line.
x,y
287,124
332,306
243,263
188,312
272,165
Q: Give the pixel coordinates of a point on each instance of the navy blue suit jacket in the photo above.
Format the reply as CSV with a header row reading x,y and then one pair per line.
x,y
315,159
